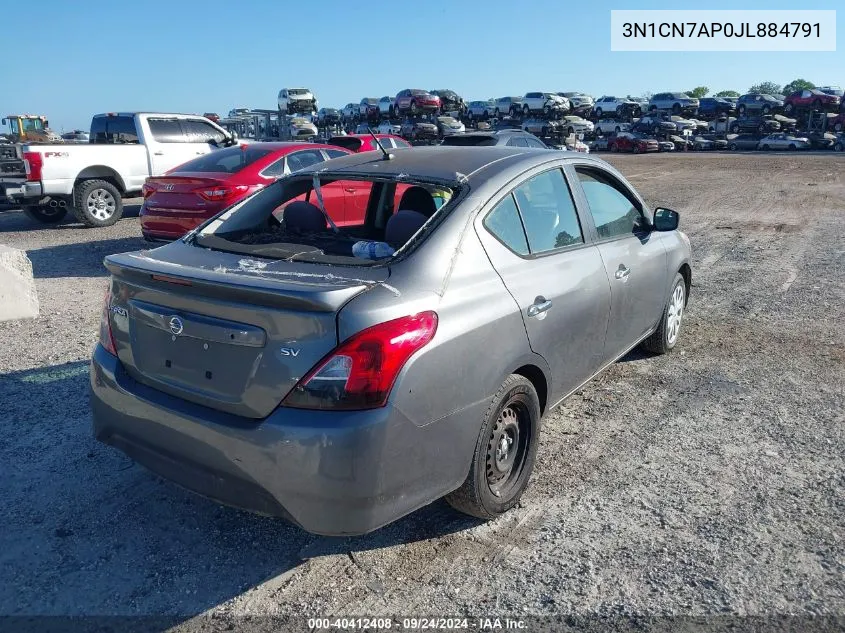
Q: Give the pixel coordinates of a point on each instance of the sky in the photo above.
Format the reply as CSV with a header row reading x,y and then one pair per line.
x,y
210,56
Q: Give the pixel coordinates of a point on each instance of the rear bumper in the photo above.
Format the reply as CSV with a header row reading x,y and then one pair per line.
x,y
332,473
18,189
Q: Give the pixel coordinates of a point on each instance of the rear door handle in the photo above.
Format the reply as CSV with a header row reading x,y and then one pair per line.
x,y
159,153
539,306
349,190
622,272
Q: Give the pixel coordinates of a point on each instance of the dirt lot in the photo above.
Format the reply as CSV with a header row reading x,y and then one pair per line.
x,y
706,482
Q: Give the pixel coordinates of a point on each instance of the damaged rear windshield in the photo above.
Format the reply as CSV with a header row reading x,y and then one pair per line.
x,y
331,219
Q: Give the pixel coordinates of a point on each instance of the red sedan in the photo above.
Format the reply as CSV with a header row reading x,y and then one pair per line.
x,y
365,143
815,99
186,196
414,100
630,142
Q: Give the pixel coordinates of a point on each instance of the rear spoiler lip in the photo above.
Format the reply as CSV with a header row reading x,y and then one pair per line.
x,y
292,290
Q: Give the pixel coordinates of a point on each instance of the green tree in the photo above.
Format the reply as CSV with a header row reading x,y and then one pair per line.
x,y
727,93
698,92
796,85
766,88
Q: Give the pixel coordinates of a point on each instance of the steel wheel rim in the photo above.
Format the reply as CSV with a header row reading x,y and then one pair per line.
x,y
101,204
507,448
676,313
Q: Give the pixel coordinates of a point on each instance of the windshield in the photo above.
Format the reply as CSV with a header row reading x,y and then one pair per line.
x,y
298,91
418,92
33,125
299,218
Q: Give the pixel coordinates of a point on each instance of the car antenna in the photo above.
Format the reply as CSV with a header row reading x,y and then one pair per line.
x,y
375,138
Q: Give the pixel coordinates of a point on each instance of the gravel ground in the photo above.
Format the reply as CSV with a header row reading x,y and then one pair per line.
x,y
708,482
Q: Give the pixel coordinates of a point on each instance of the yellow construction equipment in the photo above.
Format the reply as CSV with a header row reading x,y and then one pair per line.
x,y
29,128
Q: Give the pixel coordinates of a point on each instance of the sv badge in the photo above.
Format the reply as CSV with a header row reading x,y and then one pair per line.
x,y
289,351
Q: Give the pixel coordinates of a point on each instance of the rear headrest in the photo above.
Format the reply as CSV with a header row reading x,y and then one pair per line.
x,y
418,199
401,226
304,217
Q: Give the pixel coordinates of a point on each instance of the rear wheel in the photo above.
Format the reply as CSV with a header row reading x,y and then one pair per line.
x,y
598,113
504,453
839,147
97,203
665,337
45,214
765,148
792,147
733,147
413,107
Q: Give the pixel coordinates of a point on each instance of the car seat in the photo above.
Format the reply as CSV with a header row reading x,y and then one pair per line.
x,y
304,217
417,199
402,225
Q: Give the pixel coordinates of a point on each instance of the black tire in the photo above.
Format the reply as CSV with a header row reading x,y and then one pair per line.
x,y
839,147
498,476
547,110
598,113
765,148
766,110
45,214
733,147
105,210
659,342
788,108
636,149
741,109
526,110
837,127
613,147
792,147
676,108
413,107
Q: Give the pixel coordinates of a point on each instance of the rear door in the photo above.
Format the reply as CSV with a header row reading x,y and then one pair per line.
x,y
633,256
533,237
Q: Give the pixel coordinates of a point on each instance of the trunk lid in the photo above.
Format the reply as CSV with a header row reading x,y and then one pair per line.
x,y
223,330
182,192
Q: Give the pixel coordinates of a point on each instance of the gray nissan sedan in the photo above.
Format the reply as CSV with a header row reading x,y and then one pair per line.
x,y
342,370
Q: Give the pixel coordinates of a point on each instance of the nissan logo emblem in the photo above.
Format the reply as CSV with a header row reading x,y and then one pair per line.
x,y
176,325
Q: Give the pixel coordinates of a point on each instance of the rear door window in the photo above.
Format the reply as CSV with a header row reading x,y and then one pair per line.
x,y
167,131
548,212
114,129
303,159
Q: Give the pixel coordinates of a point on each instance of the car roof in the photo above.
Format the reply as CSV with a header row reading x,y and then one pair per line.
x,y
445,163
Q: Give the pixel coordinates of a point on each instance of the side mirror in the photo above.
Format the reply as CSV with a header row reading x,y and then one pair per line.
x,y
666,219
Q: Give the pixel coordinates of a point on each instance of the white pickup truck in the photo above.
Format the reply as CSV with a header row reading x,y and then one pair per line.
x,y
92,179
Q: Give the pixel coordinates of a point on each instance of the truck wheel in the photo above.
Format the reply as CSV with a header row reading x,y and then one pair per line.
x,y
504,453
45,215
97,203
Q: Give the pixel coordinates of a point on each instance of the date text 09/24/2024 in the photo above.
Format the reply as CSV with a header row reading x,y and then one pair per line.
x,y
416,624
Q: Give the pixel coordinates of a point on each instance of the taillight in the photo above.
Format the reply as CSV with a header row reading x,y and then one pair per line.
x,y
33,162
106,338
360,373
224,192
147,190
